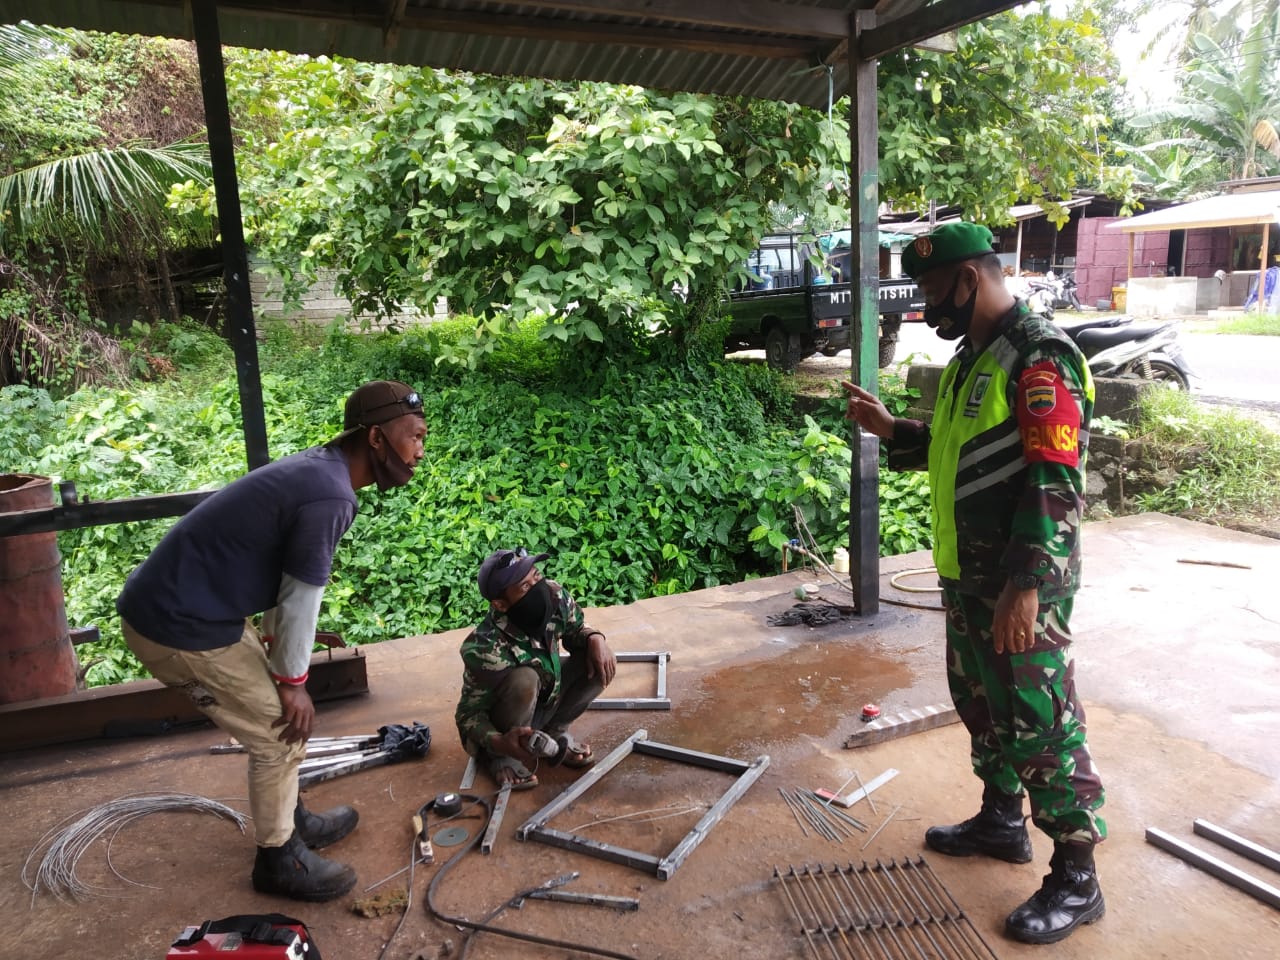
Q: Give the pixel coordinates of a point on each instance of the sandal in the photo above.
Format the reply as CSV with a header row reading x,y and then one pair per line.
x,y
578,755
508,771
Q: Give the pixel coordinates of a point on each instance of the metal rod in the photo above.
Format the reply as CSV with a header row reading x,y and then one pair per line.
x,y
468,776
882,826
804,927
495,819
1220,869
968,924
866,793
625,904
908,876
880,923
809,815
817,917
681,755
1246,848
836,925
901,926
663,658
887,872
787,801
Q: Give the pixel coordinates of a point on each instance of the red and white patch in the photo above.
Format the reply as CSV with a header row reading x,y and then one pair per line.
x,y
1048,417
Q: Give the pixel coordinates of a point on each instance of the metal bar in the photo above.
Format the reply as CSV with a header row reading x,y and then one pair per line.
x,y
866,793
822,829
625,904
582,784
906,31
468,776
919,902
961,915
629,703
321,774
795,910
240,326
882,826
663,659
97,512
836,925
695,757
817,915
858,794
595,848
838,813
495,819
855,923
1246,848
878,921
640,656
900,724
887,876
870,921
670,863
838,831
794,812
1220,869
900,927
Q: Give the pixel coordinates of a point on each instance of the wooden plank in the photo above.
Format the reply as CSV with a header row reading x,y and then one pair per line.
x,y
896,725
937,18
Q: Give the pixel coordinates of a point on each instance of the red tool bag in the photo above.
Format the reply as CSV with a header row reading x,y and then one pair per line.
x,y
265,936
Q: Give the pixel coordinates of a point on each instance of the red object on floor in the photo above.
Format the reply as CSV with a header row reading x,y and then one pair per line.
x,y
870,712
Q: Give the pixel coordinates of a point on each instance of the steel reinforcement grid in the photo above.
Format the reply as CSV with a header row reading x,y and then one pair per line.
x,y
895,910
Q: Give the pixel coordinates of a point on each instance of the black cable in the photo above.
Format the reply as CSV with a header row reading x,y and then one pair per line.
x,y
474,925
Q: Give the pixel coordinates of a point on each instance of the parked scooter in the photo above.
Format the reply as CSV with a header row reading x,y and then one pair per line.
x,y
1049,293
1119,347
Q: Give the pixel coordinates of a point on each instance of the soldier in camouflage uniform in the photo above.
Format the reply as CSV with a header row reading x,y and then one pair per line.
x,y
515,681
1005,453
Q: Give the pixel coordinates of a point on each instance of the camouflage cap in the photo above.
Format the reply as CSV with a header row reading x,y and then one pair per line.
x,y
949,243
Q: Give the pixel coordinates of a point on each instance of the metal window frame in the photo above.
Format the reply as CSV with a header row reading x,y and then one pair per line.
x,y
748,772
659,700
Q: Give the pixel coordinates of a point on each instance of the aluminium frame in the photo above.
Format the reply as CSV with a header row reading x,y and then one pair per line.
x,y
748,772
659,700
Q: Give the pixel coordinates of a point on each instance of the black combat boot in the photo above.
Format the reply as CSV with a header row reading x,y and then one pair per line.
x,y
294,871
321,829
1068,897
997,831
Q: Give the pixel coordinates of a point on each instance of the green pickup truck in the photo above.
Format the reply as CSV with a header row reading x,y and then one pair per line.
x,y
791,309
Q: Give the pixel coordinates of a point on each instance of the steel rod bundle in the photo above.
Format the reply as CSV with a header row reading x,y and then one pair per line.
x,y
894,910
67,842
827,821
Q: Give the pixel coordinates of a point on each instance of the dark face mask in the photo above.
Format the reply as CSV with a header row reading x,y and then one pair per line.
x,y
532,612
390,471
949,321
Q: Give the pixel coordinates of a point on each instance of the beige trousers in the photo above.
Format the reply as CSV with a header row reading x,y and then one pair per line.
x,y
233,687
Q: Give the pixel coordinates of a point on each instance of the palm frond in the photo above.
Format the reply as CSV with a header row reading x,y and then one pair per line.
x,y
96,193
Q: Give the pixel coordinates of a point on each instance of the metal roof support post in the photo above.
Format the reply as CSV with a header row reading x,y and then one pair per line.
x,y
240,327
864,492
1262,268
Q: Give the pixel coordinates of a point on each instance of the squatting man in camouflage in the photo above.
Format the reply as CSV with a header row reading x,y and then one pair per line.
x,y
514,679
266,543
1005,453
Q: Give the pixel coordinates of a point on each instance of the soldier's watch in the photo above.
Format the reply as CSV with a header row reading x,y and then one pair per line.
x,y
1024,581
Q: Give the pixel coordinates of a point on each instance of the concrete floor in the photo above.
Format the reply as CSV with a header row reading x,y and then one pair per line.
x,y
1178,663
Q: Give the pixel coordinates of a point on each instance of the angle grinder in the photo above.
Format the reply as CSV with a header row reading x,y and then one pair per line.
x,y
551,749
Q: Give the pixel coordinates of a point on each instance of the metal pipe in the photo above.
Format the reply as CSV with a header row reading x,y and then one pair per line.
x,y
1220,869
1246,848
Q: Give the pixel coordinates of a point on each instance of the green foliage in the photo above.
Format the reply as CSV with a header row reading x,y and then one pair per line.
x,y
611,211
1250,324
1225,464
1109,427
1015,115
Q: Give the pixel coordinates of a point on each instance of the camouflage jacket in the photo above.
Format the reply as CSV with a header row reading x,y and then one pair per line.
x,y
497,646
1008,476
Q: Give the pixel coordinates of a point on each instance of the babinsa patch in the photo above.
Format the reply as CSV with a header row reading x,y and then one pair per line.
x,y
1048,417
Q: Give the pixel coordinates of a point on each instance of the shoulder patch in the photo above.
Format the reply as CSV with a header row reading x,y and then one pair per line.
x,y
1048,417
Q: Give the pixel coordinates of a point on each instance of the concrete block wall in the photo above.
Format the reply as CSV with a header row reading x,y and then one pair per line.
x,y
322,304
1162,296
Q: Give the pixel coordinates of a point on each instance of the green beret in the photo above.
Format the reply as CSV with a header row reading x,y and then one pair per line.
x,y
950,243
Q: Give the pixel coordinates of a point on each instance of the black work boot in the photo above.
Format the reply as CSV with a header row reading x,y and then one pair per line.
x,y
997,831
1068,897
321,829
294,871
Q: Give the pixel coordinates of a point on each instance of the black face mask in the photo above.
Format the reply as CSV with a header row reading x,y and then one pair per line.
x,y
949,321
532,612
391,471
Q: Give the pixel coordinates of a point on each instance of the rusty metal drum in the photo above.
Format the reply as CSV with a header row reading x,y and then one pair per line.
x,y
36,656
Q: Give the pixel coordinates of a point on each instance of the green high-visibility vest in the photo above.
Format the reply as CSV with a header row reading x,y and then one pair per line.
x,y
975,448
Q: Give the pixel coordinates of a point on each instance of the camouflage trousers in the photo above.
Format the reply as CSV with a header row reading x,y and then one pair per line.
x,y
1026,727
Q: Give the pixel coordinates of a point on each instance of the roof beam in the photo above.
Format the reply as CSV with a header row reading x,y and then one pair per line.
x,y
429,20
767,16
906,31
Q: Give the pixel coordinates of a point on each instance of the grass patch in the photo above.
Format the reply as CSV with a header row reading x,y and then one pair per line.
x,y
1223,466
1249,324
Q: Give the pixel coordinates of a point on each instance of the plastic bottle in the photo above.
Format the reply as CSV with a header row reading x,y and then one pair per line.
x,y
840,560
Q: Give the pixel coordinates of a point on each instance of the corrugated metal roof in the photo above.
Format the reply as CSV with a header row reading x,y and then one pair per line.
x,y
769,49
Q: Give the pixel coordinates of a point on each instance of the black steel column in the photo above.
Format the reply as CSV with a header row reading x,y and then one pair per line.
x,y
864,494
240,327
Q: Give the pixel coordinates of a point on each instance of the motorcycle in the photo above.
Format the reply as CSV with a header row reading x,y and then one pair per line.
x,y
1049,293
1119,347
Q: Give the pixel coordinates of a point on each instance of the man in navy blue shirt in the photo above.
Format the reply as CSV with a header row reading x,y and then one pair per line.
x,y
265,544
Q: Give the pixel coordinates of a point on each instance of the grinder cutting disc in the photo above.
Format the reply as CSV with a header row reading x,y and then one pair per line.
x,y
450,836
